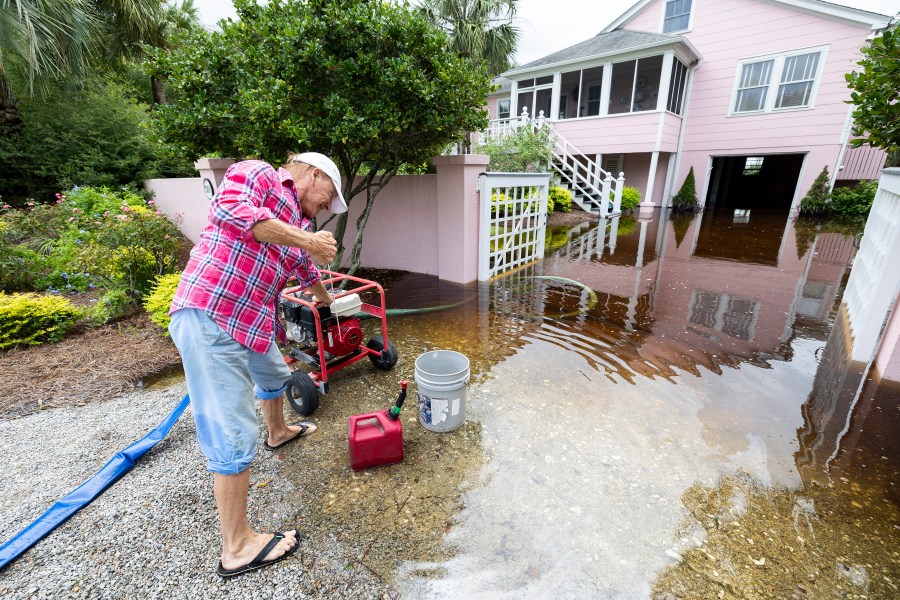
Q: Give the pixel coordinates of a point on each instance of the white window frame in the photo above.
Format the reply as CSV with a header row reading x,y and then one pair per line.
x,y
662,19
775,81
508,108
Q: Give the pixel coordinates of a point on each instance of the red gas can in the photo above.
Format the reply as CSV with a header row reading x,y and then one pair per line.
x,y
375,440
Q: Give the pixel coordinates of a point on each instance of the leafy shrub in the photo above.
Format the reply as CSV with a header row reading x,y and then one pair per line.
x,y
112,306
686,198
631,197
90,238
853,201
158,301
815,200
94,137
561,198
527,150
30,319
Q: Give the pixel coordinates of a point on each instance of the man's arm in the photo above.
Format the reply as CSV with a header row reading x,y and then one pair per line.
x,y
320,245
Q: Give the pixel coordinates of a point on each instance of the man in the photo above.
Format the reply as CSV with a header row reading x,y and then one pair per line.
x,y
224,318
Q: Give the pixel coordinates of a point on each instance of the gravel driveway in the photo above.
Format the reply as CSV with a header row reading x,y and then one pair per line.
x,y
155,533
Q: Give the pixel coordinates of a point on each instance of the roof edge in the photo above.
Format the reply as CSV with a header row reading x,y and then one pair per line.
x,y
827,9
681,40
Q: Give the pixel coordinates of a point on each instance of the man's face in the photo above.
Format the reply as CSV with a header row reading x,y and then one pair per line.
x,y
319,193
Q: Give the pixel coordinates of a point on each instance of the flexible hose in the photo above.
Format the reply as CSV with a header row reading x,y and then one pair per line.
x,y
118,465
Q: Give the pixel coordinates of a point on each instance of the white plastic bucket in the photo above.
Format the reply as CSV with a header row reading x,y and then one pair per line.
x,y
441,378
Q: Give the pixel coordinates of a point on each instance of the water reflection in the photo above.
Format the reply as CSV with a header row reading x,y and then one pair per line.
x,y
702,352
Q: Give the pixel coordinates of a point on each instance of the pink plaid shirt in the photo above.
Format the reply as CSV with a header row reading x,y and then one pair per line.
x,y
235,279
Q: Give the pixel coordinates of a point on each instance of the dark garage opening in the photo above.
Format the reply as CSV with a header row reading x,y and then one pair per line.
x,y
747,207
766,181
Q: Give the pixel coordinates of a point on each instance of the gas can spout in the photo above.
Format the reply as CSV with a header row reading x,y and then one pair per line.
x,y
394,412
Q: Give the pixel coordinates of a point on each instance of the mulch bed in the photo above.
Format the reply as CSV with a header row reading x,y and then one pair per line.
x,y
573,217
96,364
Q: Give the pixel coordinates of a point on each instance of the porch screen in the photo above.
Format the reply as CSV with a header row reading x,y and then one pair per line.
x,y
635,85
570,86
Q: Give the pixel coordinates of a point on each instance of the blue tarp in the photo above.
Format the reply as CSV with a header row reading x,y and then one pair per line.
x,y
119,464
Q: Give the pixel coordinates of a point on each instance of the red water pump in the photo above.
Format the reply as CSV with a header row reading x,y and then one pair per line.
x,y
330,337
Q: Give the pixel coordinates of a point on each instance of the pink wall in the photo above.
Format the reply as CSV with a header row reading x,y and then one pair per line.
x,y
726,31
614,134
420,223
183,201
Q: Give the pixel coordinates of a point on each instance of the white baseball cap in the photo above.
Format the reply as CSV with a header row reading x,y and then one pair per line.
x,y
328,167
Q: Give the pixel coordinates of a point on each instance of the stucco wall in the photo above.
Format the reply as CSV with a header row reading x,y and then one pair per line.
x,y
420,223
183,201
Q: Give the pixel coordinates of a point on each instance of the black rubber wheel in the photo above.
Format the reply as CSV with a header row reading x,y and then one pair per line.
x,y
388,357
302,393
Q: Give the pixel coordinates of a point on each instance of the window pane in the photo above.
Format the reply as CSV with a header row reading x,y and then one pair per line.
x,y
503,109
542,102
621,87
678,15
750,100
526,83
544,80
753,165
797,80
525,100
756,74
800,68
592,83
568,94
793,94
646,85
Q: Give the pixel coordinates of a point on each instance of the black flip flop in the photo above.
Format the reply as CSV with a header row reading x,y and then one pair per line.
x,y
304,427
259,562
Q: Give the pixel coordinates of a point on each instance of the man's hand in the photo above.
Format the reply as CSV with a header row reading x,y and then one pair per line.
x,y
321,293
322,247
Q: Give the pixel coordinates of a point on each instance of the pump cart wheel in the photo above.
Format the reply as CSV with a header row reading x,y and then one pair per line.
x,y
302,393
388,357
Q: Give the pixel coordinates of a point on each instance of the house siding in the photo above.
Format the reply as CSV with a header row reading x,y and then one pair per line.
x,y
728,31
618,134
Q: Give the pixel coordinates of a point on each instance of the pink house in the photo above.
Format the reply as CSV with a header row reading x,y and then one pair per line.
x,y
750,93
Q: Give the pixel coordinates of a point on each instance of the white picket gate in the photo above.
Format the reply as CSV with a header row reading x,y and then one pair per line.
x,y
513,219
875,277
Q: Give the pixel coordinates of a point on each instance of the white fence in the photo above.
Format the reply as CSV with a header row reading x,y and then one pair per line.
x,y
513,220
875,278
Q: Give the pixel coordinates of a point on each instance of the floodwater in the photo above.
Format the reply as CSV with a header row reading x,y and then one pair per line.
x,y
692,429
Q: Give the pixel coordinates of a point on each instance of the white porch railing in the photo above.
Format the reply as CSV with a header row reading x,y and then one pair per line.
x,y
875,278
593,188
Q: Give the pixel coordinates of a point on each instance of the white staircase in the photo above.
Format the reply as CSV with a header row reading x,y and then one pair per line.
x,y
593,189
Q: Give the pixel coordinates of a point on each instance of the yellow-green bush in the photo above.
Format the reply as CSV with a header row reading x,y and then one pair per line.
x,y
158,301
30,319
631,197
560,199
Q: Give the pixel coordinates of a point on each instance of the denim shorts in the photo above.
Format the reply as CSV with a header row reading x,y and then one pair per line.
x,y
222,375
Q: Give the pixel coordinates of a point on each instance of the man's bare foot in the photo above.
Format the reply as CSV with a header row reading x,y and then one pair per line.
x,y
252,545
281,436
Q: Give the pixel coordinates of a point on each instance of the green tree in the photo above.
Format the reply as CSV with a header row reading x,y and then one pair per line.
x,y
876,93
686,198
816,199
372,84
44,43
41,42
479,30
